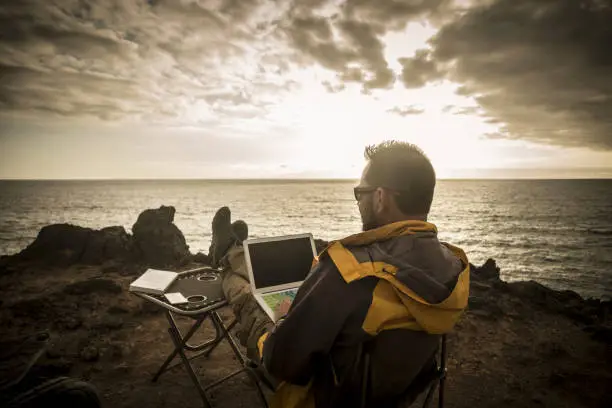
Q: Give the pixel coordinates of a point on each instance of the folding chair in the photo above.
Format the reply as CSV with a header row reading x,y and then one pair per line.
x,y
428,381
438,377
199,312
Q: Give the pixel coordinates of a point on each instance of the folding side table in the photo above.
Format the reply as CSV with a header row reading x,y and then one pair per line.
x,y
202,287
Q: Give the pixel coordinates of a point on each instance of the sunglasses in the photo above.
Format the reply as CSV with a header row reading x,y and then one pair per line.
x,y
361,191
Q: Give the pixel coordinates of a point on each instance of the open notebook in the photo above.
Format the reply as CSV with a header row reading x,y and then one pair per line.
x,y
153,281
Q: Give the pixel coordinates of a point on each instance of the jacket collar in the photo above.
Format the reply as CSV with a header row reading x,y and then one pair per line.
x,y
389,231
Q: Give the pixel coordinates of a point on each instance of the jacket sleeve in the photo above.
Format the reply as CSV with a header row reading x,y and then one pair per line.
x,y
305,336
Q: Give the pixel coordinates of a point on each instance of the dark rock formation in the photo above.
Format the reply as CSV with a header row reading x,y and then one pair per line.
x,y
57,244
66,244
107,243
202,258
491,296
488,271
157,241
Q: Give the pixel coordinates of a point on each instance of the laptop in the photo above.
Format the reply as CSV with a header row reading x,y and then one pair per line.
x,y
277,267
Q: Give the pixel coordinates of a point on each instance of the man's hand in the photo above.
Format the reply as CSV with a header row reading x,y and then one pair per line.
x,y
283,308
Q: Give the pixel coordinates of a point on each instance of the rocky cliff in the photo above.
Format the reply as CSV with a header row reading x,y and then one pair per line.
x,y
519,344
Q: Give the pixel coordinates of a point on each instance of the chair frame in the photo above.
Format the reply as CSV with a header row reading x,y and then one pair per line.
x,y
439,379
436,382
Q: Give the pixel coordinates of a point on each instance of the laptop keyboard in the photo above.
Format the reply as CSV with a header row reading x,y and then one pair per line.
x,y
273,300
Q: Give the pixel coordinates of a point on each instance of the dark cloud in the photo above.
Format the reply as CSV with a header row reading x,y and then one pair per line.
x,y
239,9
358,57
407,110
28,89
363,38
394,14
313,36
542,69
349,41
419,70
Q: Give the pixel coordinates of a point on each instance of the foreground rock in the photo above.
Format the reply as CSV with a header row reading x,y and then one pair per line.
x,y
519,344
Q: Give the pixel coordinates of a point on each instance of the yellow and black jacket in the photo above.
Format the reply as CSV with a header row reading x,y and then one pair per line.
x,y
396,288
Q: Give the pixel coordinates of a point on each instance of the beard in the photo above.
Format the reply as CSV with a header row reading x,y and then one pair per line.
x,y
368,219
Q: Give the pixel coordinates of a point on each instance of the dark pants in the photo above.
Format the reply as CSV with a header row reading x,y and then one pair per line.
x,y
252,320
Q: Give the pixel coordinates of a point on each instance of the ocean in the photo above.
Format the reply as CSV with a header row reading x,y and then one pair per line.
x,y
557,232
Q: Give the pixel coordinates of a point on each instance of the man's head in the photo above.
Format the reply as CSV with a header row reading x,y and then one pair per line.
x,y
397,184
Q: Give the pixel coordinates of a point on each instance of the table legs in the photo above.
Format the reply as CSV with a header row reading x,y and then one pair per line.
x,y
183,341
181,344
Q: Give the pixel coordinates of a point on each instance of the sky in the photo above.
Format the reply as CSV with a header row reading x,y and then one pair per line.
x,y
297,89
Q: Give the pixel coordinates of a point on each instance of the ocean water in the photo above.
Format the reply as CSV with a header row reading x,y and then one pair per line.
x,y
557,232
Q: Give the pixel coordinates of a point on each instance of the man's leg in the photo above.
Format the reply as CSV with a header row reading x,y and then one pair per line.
x,y
253,321
227,252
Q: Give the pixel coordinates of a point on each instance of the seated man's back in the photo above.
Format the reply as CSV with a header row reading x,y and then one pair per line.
x,y
395,288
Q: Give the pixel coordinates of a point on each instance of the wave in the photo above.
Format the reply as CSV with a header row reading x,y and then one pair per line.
x,y
599,231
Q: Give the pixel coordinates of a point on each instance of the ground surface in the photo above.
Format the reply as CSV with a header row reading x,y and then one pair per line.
x,y
504,352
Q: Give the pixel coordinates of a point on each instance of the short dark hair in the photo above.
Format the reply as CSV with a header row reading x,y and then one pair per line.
x,y
402,167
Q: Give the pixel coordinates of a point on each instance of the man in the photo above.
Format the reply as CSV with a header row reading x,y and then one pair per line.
x,y
390,291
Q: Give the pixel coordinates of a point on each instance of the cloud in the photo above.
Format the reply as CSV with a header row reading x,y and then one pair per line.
x,y
347,40
394,14
173,59
407,110
419,70
541,69
191,60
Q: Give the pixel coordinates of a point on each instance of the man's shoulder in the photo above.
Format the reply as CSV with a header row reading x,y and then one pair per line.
x,y
324,265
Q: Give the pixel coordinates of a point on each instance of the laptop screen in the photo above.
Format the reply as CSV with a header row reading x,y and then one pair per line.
x,y
278,262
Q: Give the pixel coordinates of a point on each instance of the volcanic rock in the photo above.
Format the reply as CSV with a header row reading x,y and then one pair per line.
x,y
67,244
157,241
107,243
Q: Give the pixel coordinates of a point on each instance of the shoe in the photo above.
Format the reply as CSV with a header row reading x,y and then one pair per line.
x,y
240,229
222,235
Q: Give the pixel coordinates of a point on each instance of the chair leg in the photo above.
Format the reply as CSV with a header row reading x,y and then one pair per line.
x,y
430,394
260,392
441,393
443,369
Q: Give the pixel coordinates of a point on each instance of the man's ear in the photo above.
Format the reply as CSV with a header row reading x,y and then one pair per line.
x,y
379,201
387,202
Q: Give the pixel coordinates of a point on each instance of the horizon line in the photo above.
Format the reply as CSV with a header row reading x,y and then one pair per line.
x,y
330,179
